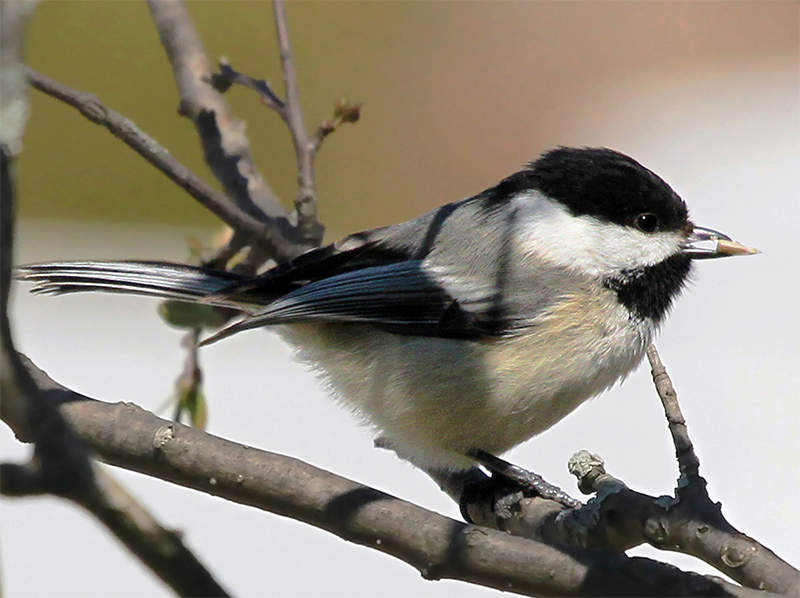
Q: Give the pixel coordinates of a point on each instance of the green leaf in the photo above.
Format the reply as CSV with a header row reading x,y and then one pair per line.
x,y
191,315
197,407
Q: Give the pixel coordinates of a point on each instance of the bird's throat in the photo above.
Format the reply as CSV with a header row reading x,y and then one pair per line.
x,y
648,292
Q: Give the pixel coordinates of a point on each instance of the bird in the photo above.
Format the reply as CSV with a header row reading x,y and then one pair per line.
x,y
471,328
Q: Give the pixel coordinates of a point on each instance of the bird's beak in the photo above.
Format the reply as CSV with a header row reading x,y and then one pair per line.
x,y
704,243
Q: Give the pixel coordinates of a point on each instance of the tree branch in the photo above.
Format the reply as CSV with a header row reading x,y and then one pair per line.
x,y
290,111
61,463
618,518
262,232
688,463
621,518
228,76
305,203
130,437
225,145
344,111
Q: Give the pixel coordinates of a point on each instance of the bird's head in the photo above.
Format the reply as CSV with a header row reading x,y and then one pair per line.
x,y
602,214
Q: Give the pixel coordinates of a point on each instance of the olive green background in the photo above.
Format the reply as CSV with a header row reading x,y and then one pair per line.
x,y
456,95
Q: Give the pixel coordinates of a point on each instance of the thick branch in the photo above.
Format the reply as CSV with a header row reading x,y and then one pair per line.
x,y
621,518
266,234
127,436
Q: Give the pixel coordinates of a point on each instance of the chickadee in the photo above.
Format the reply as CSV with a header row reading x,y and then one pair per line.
x,y
475,326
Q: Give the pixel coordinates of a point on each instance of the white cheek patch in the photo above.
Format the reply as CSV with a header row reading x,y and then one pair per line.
x,y
548,231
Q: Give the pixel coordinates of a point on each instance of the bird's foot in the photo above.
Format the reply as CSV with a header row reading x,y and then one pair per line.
x,y
500,493
526,482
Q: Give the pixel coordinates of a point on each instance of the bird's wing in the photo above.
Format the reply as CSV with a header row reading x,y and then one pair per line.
x,y
403,297
449,273
383,246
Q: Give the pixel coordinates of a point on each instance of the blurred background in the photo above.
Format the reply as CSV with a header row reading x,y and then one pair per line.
x,y
456,96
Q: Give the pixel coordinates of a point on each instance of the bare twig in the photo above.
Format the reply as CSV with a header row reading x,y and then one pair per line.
x,y
306,202
189,385
228,76
344,111
306,147
279,240
688,463
130,437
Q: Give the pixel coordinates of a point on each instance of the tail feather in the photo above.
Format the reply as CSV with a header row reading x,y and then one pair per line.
x,y
154,279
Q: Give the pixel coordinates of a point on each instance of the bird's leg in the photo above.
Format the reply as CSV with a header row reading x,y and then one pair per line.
x,y
522,479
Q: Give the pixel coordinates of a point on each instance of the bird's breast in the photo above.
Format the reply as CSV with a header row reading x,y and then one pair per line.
x,y
437,398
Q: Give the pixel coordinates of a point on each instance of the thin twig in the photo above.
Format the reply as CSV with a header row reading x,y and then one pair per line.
x,y
228,76
688,462
344,111
226,252
189,385
290,111
271,234
305,204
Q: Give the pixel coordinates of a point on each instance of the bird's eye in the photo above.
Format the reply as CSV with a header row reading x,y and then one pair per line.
x,y
647,223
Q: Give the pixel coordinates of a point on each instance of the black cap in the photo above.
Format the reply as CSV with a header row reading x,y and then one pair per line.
x,y
603,183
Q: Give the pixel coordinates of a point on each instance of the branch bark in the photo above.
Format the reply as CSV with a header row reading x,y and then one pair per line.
x,y
128,436
688,462
261,231
691,523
